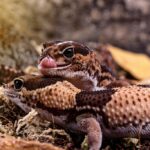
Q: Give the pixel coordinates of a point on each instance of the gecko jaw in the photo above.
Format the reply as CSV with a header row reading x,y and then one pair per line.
x,y
11,93
16,98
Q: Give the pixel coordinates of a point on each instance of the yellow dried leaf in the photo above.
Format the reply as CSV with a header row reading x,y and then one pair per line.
x,y
136,64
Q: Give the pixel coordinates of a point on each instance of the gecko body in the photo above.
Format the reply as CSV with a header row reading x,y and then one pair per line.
x,y
113,113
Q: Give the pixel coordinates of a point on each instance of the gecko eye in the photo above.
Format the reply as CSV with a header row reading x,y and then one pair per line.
x,y
68,52
18,83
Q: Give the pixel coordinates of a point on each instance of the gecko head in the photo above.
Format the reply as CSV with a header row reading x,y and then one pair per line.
x,y
69,59
13,90
29,82
22,82
17,88
62,57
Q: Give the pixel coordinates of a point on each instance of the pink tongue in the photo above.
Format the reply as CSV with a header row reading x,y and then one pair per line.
x,y
48,62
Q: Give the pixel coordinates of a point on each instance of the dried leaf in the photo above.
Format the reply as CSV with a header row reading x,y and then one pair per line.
x,y
136,64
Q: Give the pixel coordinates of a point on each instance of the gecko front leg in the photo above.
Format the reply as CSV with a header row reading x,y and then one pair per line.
x,y
93,130
91,127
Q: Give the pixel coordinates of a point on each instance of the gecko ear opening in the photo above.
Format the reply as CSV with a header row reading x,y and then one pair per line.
x,y
18,83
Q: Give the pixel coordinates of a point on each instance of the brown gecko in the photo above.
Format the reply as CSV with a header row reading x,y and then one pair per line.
x,y
112,113
77,64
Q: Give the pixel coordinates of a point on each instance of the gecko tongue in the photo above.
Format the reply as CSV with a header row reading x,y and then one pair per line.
x,y
48,62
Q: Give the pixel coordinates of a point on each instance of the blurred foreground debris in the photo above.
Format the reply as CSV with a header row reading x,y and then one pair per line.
x,y
11,143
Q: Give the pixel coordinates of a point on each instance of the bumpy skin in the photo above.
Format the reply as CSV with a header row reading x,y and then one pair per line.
x,y
59,96
125,110
113,113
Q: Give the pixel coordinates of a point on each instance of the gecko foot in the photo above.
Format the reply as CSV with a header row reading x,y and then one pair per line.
x,y
92,128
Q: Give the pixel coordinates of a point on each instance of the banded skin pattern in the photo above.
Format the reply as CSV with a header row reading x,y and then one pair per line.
x,y
112,113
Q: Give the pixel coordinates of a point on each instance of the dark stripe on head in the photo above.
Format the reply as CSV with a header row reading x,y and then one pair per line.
x,y
94,98
32,82
78,47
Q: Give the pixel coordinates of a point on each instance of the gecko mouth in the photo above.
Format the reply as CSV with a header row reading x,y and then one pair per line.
x,y
15,97
48,64
11,93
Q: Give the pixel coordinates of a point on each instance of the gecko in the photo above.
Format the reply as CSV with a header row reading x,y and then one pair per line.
x,y
118,112
78,64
